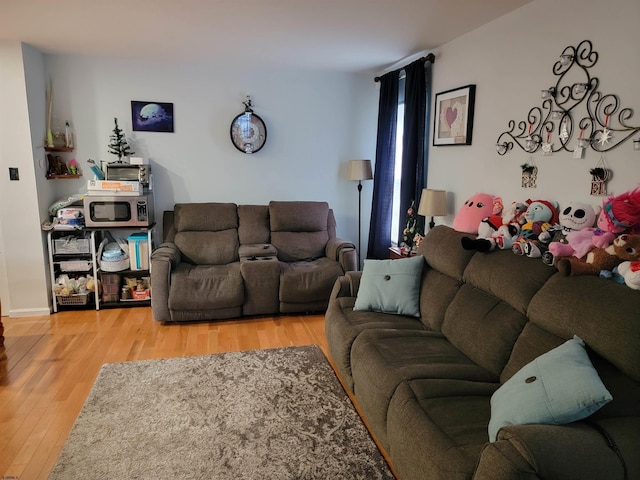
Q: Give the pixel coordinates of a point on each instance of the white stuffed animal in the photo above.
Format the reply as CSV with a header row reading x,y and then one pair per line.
x,y
630,271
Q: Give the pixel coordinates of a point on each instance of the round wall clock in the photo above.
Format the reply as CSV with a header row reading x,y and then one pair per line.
x,y
248,131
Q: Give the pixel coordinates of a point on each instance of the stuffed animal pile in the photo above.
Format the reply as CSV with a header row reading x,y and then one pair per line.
x,y
578,239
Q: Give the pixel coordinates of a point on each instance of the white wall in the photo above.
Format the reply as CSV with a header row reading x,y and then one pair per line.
x,y
314,120
23,278
510,60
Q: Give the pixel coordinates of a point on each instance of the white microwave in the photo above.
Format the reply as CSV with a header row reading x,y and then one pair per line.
x,y
118,211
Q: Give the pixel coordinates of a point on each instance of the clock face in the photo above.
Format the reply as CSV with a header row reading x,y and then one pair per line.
x,y
248,132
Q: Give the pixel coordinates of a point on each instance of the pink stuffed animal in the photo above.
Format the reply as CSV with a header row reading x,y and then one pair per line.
x,y
618,215
479,206
498,231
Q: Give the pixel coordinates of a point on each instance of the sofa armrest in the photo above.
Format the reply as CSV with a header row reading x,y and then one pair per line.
x,y
163,260
353,277
573,451
342,252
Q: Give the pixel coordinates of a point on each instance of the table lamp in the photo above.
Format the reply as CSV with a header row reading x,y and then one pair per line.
x,y
360,170
433,203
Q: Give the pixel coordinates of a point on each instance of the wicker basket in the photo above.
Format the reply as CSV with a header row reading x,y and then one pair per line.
x,y
75,299
115,265
111,265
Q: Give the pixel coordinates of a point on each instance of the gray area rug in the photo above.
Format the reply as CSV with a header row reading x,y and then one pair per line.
x,y
263,414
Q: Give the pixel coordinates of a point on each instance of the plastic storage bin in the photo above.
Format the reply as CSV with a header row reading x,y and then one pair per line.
x,y
138,251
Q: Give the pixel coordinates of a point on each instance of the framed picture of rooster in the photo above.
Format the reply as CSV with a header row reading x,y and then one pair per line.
x,y
453,119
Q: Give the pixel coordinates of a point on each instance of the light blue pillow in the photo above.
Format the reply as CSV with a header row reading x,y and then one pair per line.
x,y
560,386
391,286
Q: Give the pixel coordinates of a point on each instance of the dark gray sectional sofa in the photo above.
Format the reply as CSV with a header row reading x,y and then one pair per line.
x,y
424,384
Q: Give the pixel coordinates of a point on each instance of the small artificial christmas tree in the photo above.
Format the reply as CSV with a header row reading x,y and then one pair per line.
x,y
412,230
119,145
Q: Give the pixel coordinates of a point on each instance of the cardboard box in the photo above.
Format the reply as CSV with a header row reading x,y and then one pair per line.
x,y
142,294
138,251
70,216
114,187
138,161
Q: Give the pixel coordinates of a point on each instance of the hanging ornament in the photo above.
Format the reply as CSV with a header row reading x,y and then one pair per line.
x,y
600,174
547,147
605,136
529,174
529,143
564,133
578,151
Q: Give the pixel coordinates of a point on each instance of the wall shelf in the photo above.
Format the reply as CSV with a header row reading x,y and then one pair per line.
x,y
58,149
69,175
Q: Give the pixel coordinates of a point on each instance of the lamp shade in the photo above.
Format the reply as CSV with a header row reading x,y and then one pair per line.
x,y
360,170
433,203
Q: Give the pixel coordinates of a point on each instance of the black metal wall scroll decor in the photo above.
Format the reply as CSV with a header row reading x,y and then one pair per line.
x,y
573,109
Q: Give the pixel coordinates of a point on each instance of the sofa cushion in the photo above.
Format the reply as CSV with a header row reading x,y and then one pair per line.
x,y
208,248
207,233
346,324
560,386
311,281
205,216
437,291
437,427
253,224
298,216
600,315
206,287
500,273
439,254
391,286
577,450
299,229
483,327
382,359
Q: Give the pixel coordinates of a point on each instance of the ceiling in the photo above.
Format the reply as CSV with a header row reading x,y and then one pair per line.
x,y
345,35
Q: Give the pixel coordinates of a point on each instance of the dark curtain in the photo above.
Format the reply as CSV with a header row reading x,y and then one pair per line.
x,y
414,165
380,226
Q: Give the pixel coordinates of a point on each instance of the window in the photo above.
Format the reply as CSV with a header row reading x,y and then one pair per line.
x,y
396,218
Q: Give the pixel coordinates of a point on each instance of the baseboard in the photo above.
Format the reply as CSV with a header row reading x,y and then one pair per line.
x,y
29,312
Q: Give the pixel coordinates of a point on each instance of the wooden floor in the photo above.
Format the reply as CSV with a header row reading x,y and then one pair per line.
x,y
49,365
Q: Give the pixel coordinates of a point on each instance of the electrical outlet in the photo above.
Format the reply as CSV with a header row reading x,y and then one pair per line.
x,y
13,173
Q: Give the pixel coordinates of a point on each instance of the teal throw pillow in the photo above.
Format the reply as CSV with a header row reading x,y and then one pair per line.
x,y
560,386
391,286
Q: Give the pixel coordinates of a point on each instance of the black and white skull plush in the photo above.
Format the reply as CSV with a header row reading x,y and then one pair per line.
x,y
574,216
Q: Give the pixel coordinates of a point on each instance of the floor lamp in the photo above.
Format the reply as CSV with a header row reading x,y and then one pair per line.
x,y
360,170
433,203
